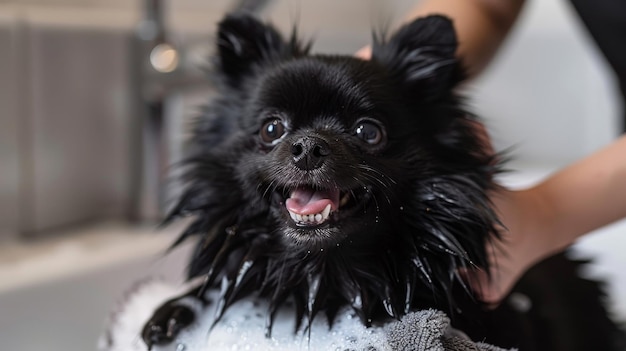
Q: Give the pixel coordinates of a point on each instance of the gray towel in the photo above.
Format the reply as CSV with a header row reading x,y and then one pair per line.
x,y
430,330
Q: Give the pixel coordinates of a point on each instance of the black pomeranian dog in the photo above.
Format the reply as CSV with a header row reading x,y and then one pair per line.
x,y
332,181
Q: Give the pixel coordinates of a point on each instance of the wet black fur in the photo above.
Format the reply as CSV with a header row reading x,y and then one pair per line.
x,y
425,212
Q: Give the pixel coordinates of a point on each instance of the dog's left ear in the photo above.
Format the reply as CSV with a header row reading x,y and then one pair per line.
x,y
421,56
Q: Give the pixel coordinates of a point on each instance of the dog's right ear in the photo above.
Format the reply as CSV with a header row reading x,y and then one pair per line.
x,y
421,57
243,42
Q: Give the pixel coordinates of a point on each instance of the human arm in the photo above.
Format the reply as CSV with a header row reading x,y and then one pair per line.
x,y
548,217
481,26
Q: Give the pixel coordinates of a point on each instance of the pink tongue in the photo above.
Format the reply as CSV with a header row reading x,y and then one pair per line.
x,y
306,201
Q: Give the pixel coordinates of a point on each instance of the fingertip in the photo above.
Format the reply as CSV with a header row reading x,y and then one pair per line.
x,y
364,53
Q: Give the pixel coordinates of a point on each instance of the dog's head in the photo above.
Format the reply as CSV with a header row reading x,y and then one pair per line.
x,y
336,179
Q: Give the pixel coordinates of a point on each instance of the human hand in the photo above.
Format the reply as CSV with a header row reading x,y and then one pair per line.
x,y
523,242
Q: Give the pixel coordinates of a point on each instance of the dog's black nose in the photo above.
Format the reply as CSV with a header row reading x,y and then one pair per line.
x,y
309,152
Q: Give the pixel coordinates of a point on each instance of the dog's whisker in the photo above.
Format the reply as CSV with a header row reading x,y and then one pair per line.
x,y
269,189
384,178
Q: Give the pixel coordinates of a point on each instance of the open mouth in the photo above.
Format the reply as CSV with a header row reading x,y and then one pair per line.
x,y
311,207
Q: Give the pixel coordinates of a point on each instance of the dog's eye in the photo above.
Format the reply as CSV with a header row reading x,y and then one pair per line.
x,y
272,130
369,132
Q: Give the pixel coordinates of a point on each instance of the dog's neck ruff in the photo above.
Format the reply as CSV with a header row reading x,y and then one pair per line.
x,y
417,256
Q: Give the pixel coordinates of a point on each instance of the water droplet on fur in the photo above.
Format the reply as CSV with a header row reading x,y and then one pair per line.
x,y
321,250
357,302
231,230
401,208
181,347
314,284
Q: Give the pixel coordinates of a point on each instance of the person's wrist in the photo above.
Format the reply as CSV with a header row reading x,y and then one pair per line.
x,y
537,225
523,221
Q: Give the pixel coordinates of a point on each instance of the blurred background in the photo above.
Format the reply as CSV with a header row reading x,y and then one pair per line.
x,y
95,100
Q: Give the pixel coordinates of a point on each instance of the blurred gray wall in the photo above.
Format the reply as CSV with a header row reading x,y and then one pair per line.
x,y
65,109
9,127
64,83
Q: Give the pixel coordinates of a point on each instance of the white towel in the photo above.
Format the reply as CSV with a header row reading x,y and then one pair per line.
x,y
243,328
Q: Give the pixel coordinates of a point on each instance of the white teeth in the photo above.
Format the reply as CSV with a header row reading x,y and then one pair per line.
x,y
326,212
316,218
